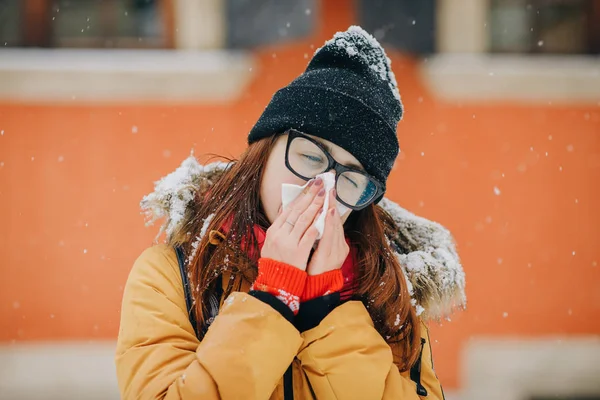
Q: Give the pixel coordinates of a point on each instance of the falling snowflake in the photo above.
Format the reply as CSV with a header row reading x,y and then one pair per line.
x,y
496,191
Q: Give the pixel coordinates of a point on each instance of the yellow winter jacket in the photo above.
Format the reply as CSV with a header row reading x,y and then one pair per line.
x,y
248,347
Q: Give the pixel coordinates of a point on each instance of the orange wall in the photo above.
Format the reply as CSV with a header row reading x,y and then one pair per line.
x,y
73,174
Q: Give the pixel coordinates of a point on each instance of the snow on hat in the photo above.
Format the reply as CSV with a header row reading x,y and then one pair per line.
x,y
347,95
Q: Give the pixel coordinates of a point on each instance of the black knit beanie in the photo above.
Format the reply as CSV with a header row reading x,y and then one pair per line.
x,y
347,95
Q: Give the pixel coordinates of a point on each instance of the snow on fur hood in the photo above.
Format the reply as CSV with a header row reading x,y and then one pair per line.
x,y
435,276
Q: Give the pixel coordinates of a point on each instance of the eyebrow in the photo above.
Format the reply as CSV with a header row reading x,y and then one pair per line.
x,y
329,149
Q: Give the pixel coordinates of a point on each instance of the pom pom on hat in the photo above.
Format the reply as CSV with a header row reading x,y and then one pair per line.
x,y
358,43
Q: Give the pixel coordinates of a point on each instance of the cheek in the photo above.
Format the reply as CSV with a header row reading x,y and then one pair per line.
x,y
270,191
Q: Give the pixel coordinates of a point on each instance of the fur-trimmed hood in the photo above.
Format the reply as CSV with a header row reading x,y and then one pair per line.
x,y
425,249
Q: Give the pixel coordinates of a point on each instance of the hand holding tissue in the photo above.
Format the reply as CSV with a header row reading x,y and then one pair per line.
x,y
289,192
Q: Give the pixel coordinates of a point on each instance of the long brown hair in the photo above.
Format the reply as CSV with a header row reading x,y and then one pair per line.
x,y
235,198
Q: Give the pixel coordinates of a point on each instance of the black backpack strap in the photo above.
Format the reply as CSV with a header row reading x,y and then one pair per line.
x,y
415,372
189,301
214,297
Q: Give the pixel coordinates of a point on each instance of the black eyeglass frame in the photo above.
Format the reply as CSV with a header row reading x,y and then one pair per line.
x,y
333,164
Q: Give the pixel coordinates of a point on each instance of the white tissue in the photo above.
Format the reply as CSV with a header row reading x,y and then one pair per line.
x,y
289,192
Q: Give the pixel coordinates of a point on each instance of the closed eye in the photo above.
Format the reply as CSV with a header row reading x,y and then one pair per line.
x,y
312,158
351,181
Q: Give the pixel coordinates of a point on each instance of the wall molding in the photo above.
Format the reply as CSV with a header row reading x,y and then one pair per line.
x,y
58,371
521,78
517,369
74,75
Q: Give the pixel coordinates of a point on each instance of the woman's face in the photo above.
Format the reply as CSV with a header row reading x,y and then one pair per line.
x,y
276,173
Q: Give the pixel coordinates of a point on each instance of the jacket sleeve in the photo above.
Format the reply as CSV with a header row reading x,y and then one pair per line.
x,y
344,357
243,355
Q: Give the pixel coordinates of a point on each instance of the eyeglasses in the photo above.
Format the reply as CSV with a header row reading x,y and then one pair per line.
x,y
307,158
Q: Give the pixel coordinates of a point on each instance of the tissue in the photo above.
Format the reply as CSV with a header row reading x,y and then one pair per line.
x,y
289,192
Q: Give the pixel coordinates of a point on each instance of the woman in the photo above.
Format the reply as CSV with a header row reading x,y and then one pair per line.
x,y
269,310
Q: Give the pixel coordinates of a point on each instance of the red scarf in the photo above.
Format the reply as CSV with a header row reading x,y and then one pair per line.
x,y
348,267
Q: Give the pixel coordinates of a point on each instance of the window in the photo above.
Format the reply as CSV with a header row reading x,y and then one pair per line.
x,y
10,15
406,25
86,23
252,23
545,26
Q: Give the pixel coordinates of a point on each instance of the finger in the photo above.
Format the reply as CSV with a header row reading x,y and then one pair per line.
x,y
301,205
340,248
339,228
308,217
308,239
328,238
284,212
337,218
340,236
281,218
